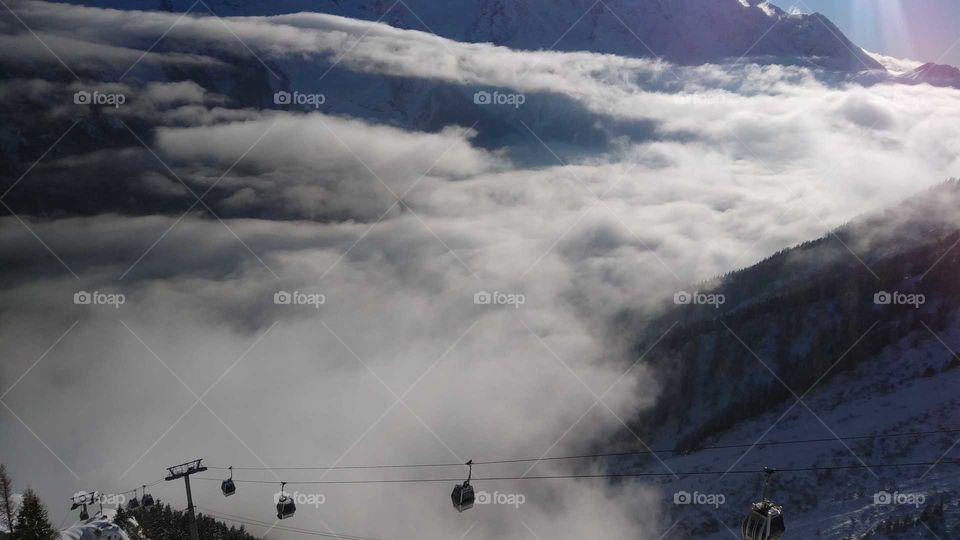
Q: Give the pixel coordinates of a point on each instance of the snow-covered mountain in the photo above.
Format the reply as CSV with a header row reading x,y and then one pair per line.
x,y
934,75
682,31
815,322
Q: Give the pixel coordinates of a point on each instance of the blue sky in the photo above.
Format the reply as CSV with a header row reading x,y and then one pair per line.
x,y
923,30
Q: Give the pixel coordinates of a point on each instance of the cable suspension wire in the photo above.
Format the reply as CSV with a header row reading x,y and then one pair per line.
x,y
608,475
639,474
274,526
134,490
604,455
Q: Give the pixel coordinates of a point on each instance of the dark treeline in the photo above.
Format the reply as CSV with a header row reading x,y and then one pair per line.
x,y
28,519
161,522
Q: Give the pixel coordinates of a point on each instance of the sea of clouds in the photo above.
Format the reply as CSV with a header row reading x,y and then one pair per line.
x,y
398,229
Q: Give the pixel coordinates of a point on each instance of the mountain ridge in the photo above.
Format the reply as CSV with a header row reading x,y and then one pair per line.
x,y
852,333
941,75
680,31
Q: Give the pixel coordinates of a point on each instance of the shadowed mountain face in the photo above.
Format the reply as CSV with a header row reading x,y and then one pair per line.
x,y
842,298
845,335
681,31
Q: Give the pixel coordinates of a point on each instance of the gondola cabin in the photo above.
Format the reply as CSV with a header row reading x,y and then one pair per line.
x,y
227,486
764,522
285,507
462,496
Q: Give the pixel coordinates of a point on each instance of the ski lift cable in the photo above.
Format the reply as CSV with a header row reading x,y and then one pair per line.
x,y
276,526
604,455
611,475
138,488
251,521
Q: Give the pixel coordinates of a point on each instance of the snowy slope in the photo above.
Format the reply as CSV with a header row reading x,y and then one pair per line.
x,y
682,31
99,527
911,387
806,324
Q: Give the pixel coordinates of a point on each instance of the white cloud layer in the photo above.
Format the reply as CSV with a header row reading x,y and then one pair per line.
x,y
747,160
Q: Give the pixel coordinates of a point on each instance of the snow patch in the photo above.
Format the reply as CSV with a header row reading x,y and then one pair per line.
x,y
99,527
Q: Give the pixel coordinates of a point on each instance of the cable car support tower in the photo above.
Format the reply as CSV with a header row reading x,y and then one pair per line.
x,y
184,470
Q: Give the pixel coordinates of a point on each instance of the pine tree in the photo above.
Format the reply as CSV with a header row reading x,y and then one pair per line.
x,y
160,522
7,508
32,520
